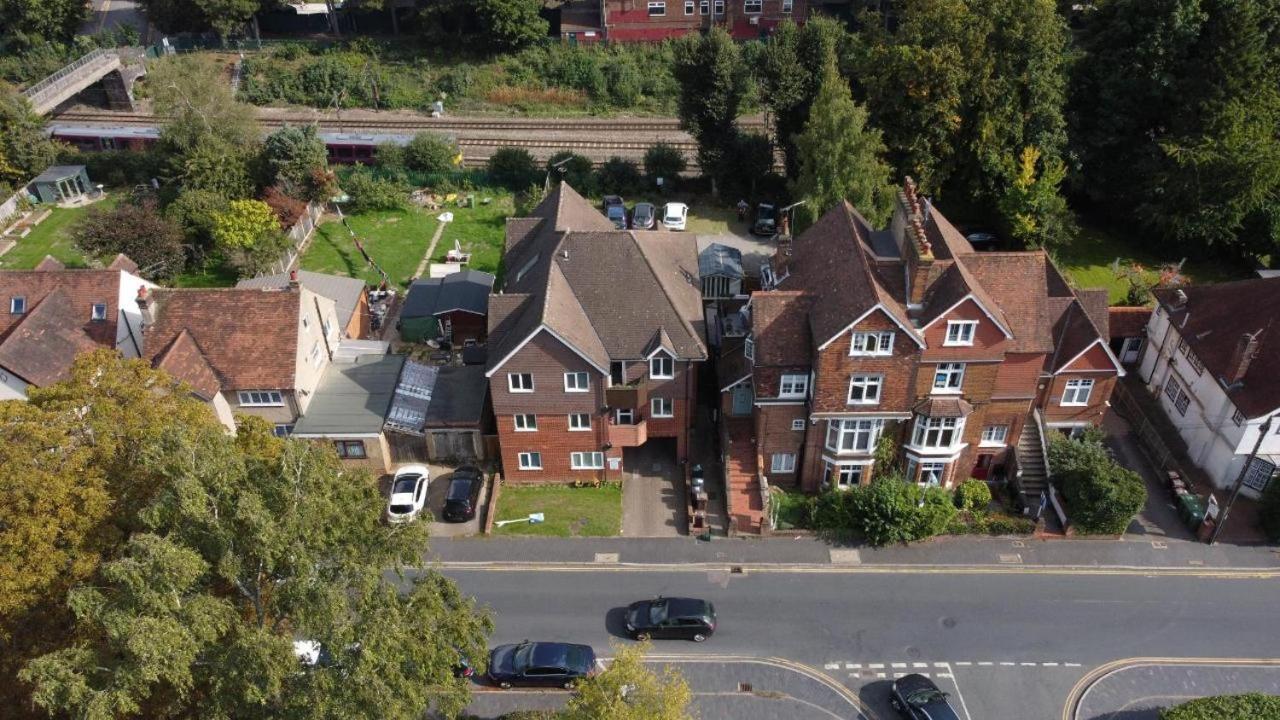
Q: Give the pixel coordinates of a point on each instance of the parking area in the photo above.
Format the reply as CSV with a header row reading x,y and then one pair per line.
x,y
436,489
653,500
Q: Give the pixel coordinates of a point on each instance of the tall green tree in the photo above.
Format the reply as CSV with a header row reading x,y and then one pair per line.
x,y
297,161
1035,212
228,17
55,20
840,154
791,72
510,24
712,81
25,150
628,690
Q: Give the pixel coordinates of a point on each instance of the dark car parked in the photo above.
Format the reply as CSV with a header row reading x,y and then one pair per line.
x,y
915,697
463,495
644,216
615,208
766,223
551,664
675,618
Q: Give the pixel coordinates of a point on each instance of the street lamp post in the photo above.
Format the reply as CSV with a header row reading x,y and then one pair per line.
x,y
1235,491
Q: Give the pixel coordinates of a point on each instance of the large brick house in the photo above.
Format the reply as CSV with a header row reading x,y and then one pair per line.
x,y
963,358
51,314
587,21
594,344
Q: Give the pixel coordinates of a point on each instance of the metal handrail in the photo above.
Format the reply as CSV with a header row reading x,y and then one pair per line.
x,y
39,89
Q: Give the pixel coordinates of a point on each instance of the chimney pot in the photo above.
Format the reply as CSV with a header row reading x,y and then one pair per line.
x,y
293,279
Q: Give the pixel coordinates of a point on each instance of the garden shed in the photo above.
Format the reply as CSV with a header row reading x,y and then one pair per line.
x,y
453,308
61,183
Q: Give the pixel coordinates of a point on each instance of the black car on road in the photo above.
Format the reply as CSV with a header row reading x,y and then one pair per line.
x,y
547,664
463,495
671,618
915,697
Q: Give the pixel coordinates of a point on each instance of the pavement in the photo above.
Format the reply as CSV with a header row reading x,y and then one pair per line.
x,y
1138,690
1016,645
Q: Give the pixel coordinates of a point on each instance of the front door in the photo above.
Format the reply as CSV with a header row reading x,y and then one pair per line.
x,y
742,399
982,468
1131,350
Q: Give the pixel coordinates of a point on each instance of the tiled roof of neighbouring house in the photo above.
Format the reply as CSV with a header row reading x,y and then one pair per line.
x,y
45,341
345,292
1126,322
83,289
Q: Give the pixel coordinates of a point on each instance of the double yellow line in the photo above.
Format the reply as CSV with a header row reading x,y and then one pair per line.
x,y
1092,677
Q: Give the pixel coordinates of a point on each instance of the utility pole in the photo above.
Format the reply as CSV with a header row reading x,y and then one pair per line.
x,y
1235,492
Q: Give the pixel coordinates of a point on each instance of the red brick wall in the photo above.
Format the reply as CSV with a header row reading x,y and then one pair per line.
x,y
629,20
1054,412
977,386
548,360
988,339
834,367
774,435
555,441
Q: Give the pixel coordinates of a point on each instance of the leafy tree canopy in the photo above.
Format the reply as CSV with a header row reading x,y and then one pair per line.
x,y
296,159
138,230
713,81
56,20
629,690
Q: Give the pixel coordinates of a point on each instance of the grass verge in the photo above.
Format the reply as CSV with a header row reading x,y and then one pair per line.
x,y
570,511
53,237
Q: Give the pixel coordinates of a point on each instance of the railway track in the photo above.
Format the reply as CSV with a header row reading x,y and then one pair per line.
x,y
657,125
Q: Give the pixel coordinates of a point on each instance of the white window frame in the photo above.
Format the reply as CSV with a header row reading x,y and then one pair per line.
x,y
856,429
952,377
866,383
261,398
525,422
788,6
704,7
793,386
749,349
926,468
314,357
1079,390
630,414
576,426
960,333
747,6
719,7
660,6
782,463
529,460
797,424
577,382
995,435
518,387
882,340
841,475
689,7
935,429
661,407
18,305
586,460
98,312
662,367
1259,474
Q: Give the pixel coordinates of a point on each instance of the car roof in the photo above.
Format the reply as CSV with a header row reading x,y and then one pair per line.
x,y
558,654
405,484
460,487
644,205
683,607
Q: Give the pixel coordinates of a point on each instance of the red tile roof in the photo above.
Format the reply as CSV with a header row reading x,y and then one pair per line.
x,y
83,289
1127,322
41,347
184,361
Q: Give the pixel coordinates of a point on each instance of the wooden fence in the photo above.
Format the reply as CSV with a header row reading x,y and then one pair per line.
x,y
298,235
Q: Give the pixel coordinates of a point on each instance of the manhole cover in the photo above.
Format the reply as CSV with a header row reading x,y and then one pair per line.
x,y
845,557
744,687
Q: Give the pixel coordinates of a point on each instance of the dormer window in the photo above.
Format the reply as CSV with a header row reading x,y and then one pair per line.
x,y
17,305
960,332
662,367
98,312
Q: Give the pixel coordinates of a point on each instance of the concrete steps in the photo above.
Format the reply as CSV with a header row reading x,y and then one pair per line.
x,y
746,511
1031,461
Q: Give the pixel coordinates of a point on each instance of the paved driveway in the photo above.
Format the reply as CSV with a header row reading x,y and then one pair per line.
x,y
653,491
440,476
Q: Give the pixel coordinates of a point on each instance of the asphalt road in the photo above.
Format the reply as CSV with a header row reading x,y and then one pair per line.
x,y
1006,646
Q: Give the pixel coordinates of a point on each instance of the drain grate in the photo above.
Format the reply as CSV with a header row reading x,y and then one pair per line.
x,y
744,687
737,570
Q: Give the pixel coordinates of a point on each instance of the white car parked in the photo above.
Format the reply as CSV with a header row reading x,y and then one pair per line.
x,y
408,493
674,215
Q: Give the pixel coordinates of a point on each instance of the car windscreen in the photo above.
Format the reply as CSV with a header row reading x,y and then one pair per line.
x,y
401,509
926,696
405,485
522,657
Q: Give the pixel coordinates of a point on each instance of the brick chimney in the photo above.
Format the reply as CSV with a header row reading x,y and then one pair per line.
x,y
1246,349
145,305
293,280
917,252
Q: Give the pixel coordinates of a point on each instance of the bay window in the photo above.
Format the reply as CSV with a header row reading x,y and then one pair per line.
x,y
931,432
853,436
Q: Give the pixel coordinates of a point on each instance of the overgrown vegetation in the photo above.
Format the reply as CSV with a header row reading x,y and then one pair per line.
x,y
1225,707
1102,497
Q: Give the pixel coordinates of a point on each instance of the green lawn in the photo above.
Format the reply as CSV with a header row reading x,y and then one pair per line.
x,y
220,275
1088,262
53,237
395,239
569,511
480,230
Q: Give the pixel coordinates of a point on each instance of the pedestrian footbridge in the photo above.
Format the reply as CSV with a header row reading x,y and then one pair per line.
x,y
116,68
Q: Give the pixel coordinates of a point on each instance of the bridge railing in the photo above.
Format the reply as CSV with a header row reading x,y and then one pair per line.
x,y
37,93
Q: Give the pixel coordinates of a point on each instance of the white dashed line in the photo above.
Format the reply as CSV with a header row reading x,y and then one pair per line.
x,y
1028,664
1008,664
924,664
959,664
986,663
879,675
945,675
1071,664
852,666
1049,664
898,665
831,666
876,666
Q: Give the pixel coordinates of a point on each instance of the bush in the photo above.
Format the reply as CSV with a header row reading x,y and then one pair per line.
x,y
431,153
117,168
618,176
663,161
1226,707
577,171
137,230
369,192
512,168
973,494
1269,511
1102,497
195,211
390,157
888,510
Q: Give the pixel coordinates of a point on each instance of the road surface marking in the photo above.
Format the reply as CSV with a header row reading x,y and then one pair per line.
x,y
898,665
1072,665
1091,678
875,666
1050,664
986,663
924,664
852,666
1008,664
831,666
945,675
879,675
967,664
1028,664
960,696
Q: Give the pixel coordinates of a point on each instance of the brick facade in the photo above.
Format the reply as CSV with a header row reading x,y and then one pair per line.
x,y
637,21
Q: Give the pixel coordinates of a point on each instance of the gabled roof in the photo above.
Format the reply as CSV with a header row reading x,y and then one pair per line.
x,y
1074,333
466,290
185,362
248,337
954,286
603,292
1212,321
1022,284
345,292
779,328
720,259
41,347
83,289
832,262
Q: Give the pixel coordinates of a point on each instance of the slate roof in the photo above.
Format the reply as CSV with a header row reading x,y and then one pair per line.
x,y
41,347
353,397
345,292
1212,321
467,290
604,291
249,337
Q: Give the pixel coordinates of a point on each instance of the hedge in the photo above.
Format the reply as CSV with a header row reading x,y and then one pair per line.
x,y
1253,706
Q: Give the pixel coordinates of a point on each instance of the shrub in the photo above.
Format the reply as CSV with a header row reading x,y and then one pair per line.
x,y
390,156
618,175
888,510
369,192
431,153
1269,511
117,168
137,230
512,168
973,494
1225,707
663,161
1102,497
287,209
577,171
195,211
526,200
